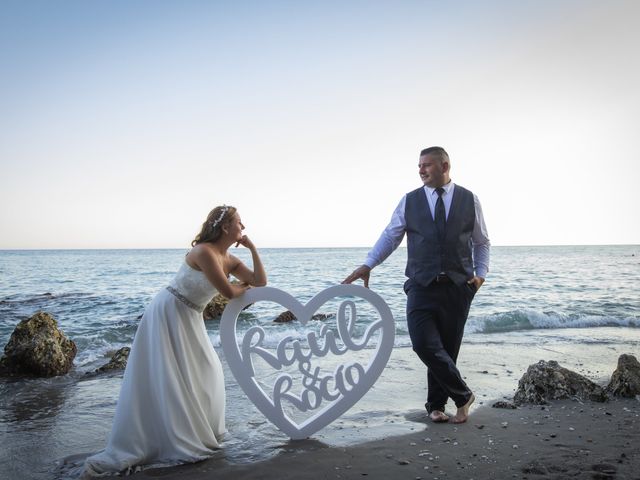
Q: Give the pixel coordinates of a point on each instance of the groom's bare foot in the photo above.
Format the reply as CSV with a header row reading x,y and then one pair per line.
x,y
462,414
438,417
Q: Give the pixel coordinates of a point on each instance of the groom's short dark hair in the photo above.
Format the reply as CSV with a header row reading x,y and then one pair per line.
x,y
441,152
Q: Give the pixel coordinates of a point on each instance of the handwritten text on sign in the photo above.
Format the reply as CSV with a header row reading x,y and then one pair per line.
x,y
339,390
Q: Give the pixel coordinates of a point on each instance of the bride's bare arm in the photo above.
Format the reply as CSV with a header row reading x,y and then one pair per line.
x,y
256,277
211,264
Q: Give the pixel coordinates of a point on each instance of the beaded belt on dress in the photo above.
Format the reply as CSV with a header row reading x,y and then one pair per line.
x,y
185,300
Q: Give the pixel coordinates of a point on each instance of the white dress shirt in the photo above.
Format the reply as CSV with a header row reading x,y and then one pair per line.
x,y
393,234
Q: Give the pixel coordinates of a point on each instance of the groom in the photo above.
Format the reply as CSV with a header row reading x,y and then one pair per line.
x,y
448,259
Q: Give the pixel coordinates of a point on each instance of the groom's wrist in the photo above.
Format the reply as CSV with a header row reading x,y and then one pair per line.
x,y
370,263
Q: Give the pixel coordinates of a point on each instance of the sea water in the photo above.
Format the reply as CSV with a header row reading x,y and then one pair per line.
x,y
560,300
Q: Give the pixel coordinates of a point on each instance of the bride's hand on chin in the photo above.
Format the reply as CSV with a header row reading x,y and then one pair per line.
x,y
245,242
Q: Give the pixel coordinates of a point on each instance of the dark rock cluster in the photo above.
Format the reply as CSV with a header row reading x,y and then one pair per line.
x,y
37,347
215,307
546,381
625,381
118,361
288,316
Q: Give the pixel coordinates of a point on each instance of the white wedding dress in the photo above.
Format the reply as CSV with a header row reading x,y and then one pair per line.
x,y
172,401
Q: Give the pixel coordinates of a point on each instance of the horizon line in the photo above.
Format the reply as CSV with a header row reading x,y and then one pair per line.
x,y
308,248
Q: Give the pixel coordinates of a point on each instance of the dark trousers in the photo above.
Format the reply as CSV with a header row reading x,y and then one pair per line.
x,y
436,315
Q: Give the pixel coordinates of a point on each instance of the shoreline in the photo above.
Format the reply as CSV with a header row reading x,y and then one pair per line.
x,y
564,439
389,436
491,364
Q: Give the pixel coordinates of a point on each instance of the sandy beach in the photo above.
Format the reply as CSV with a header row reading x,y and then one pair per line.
x,y
387,435
566,439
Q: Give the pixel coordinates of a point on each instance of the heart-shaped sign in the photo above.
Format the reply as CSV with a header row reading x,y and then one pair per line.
x,y
329,395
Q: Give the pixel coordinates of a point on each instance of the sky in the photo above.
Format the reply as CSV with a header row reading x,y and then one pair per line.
x,y
123,123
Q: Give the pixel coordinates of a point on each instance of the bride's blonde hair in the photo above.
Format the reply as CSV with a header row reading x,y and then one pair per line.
x,y
212,227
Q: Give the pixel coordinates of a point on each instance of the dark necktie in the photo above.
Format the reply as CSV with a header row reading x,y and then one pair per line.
x,y
440,216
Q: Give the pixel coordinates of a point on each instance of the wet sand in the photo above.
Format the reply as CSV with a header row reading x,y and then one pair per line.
x,y
566,439
388,435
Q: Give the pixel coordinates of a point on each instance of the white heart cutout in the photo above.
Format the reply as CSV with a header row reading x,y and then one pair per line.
x,y
238,355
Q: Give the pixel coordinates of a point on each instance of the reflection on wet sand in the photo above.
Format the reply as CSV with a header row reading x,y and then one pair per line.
x,y
32,403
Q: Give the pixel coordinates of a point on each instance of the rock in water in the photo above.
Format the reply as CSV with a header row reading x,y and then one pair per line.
x,y
285,317
625,381
38,347
215,307
546,381
118,361
288,316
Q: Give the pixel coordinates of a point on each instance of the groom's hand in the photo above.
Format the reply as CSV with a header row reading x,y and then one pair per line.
x,y
476,282
362,272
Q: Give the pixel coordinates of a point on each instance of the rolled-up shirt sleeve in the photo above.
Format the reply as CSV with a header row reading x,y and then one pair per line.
x,y
480,241
390,238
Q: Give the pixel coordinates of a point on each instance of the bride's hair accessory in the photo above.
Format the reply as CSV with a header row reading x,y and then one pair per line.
x,y
225,209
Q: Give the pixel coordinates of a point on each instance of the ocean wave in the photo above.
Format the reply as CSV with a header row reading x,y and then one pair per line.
x,y
502,322
517,320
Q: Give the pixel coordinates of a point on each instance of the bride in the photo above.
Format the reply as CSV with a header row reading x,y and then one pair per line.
x,y
172,403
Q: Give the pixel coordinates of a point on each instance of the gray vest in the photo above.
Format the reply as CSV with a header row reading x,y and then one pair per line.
x,y
426,255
